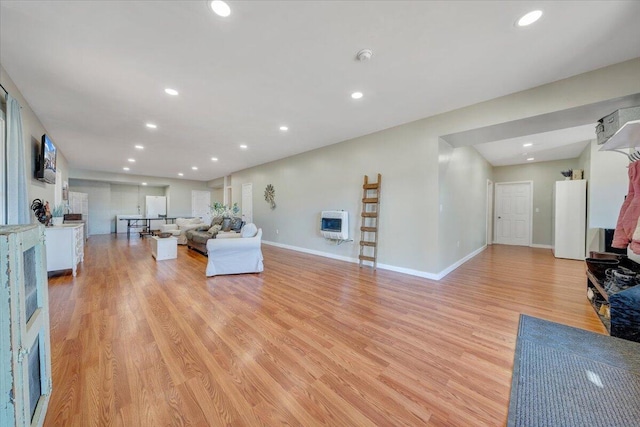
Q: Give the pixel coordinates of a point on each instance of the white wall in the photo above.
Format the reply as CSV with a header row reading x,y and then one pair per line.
x,y
99,194
544,176
130,199
179,196
33,131
406,155
125,194
408,158
463,188
217,195
107,200
331,179
608,186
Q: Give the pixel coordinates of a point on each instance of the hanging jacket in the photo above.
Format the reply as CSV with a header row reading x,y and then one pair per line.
x,y
629,213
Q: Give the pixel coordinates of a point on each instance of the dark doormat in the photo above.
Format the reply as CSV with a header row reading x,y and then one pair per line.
x,y
564,376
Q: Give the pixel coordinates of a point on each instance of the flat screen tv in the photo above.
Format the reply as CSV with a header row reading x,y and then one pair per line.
x,y
46,170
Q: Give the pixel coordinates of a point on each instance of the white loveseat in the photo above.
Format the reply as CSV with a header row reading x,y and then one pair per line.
x,y
235,256
181,226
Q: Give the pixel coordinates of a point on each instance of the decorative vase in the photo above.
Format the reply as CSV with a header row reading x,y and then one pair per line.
x,y
56,221
226,224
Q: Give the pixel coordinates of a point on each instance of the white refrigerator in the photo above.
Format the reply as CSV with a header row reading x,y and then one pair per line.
x,y
155,207
570,219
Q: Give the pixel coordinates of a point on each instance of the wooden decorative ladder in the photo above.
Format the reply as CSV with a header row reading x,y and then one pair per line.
x,y
369,226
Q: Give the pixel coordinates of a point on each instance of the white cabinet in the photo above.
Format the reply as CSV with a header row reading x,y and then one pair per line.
x,y
79,203
65,247
25,380
570,219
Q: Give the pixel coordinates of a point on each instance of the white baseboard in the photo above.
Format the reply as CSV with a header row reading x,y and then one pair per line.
x,y
410,271
312,252
460,262
534,245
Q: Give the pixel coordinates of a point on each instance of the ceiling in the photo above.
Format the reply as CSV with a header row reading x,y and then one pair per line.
x,y
95,71
561,144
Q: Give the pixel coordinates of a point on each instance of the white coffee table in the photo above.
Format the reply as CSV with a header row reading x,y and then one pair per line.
x,y
164,248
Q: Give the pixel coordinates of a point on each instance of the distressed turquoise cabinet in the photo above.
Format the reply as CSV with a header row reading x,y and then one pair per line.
x,y
25,352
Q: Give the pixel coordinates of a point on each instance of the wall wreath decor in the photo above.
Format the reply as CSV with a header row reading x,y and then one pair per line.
x,y
270,195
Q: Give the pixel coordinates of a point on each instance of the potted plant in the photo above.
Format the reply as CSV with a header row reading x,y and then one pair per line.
x,y
57,215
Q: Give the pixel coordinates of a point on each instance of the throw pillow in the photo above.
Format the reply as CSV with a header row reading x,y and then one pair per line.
x,y
236,224
249,230
182,222
214,229
217,221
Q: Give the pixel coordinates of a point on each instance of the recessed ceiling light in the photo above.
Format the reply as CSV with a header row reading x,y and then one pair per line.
x,y
356,95
284,128
244,147
125,168
529,18
151,126
220,8
170,91
528,144
214,159
139,147
144,183
131,160
530,159
180,174
195,168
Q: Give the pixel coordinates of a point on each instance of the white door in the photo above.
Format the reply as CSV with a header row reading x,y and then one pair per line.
x,y
247,203
155,206
200,202
513,213
489,212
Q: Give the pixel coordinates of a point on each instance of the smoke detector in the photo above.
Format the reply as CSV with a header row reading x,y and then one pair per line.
x,y
364,55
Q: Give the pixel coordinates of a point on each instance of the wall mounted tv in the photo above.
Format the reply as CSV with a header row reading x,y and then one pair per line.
x,y
46,165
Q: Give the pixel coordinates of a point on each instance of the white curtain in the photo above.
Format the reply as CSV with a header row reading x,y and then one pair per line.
x,y
17,198
3,167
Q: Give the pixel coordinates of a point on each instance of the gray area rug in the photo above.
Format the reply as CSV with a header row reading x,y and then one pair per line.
x,y
563,376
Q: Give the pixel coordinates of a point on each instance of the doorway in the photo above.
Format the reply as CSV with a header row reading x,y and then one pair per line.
x,y
247,202
489,212
513,210
200,205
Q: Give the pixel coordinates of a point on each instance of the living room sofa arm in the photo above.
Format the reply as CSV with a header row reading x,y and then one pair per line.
x,y
242,242
168,227
215,245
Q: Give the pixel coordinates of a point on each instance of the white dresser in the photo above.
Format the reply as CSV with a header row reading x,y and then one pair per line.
x,y
25,351
65,247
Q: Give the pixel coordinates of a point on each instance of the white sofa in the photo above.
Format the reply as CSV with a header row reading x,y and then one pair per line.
x,y
236,256
181,226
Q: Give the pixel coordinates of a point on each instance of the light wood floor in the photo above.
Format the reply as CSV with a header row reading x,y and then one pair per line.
x,y
311,341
